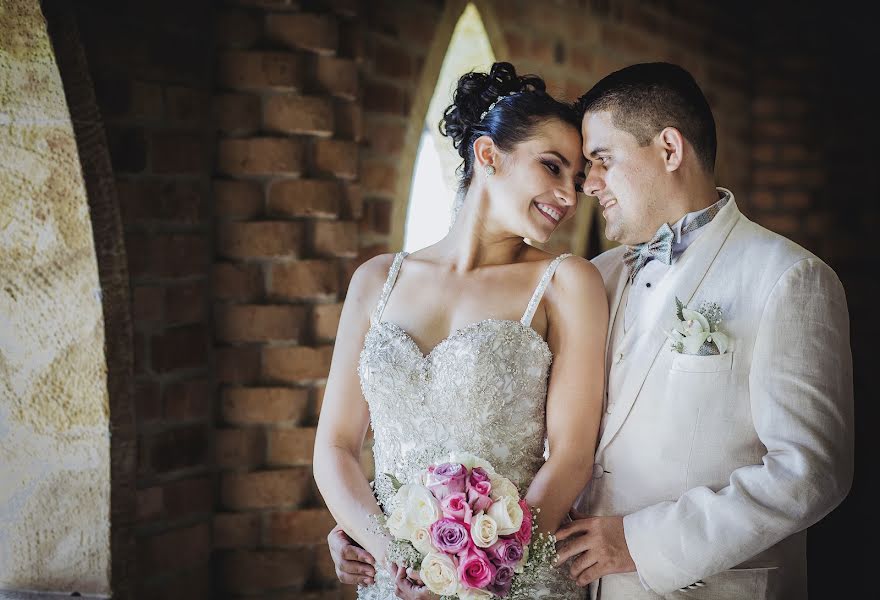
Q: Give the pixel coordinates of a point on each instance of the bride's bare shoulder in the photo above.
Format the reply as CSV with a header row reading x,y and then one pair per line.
x,y
368,279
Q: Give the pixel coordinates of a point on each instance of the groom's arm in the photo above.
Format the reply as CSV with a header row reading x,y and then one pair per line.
x,y
800,386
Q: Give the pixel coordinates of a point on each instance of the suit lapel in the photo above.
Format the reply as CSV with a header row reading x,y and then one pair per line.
x,y
657,317
615,293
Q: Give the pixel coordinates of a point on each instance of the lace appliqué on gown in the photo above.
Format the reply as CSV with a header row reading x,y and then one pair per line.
x,y
481,390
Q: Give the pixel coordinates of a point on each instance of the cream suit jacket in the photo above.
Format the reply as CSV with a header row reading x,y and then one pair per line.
x,y
719,463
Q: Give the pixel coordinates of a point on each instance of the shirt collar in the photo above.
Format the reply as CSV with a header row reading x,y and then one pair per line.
x,y
681,242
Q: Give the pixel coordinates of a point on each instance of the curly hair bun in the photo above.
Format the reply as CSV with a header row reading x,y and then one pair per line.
x,y
477,91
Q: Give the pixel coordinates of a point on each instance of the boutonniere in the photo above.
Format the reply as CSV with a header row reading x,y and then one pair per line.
x,y
699,331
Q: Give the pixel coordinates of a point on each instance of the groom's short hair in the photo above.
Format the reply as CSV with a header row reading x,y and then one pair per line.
x,y
644,99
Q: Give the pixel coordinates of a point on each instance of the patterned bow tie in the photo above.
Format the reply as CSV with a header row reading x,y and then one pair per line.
x,y
659,248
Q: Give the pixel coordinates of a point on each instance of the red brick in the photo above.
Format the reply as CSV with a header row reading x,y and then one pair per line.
x,y
295,114
392,60
351,39
251,571
178,448
304,279
166,255
764,200
250,70
144,201
174,550
516,45
319,400
349,120
239,282
336,157
150,504
295,527
239,447
140,353
237,114
377,217
780,223
180,348
335,238
146,100
287,447
325,572
255,239
337,76
236,199
258,323
186,105
384,138
764,153
237,28
348,8
293,364
798,153
265,489
305,198
148,304
179,153
764,106
188,400
236,530
260,156
385,98
796,200
188,497
185,303
238,364
317,33
777,176
264,405
325,321
353,203
379,178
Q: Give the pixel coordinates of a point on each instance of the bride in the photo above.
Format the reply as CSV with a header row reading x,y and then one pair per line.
x,y
480,343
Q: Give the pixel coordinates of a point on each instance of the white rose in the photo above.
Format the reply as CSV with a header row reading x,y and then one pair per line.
x,y
422,508
521,566
467,593
439,574
470,461
484,530
421,539
501,487
398,524
508,515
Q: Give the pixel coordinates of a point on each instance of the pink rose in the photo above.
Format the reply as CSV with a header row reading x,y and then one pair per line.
x,y
455,506
450,536
476,570
506,551
478,475
478,496
524,535
447,478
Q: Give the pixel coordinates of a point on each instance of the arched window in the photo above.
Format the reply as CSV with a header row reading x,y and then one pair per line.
x,y
434,183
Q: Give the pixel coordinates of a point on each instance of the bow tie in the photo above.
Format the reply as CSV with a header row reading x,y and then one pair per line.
x,y
659,248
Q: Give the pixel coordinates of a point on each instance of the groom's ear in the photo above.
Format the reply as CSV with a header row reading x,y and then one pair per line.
x,y
671,143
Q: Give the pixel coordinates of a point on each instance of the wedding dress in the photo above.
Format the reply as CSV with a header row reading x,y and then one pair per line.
x,y
482,390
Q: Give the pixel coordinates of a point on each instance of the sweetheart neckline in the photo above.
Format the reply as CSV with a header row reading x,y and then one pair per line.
x,y
456,332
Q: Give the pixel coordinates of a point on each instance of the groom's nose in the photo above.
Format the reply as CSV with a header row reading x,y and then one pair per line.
x,y
594,184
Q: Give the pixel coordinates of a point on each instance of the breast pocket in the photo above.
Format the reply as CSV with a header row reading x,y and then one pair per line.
x,y
688,363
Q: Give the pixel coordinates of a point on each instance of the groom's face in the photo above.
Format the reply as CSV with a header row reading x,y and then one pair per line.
x,y
624,176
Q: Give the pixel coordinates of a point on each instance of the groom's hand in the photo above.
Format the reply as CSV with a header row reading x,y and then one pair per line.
x,y
600,544
354,565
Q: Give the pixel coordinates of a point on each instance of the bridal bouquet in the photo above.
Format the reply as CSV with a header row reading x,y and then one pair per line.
x,y
466,530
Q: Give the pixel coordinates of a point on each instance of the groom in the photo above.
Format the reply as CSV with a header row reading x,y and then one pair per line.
x,y
716,451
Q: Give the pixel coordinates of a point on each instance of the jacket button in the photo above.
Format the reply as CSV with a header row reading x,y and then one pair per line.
x,y
598,471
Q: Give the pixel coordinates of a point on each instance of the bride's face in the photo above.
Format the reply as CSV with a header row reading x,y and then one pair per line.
x,y
536,186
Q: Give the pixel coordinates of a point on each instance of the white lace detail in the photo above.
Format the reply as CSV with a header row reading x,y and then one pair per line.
x,y
539,291
482,390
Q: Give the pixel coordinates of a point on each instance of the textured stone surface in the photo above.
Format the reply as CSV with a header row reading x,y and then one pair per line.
x,y
54,430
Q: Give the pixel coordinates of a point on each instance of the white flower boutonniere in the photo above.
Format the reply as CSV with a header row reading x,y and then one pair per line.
x,y
699,330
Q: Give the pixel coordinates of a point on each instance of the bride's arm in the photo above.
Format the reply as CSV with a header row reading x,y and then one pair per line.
x,y
577,324
345,417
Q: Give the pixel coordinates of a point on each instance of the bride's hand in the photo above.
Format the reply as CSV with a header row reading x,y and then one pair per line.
x,y
408,586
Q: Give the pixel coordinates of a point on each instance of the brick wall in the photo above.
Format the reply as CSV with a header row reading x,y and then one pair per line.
x,y
152,80
286,206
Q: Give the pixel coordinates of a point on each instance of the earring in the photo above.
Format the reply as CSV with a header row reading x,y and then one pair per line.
x,y
490,170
